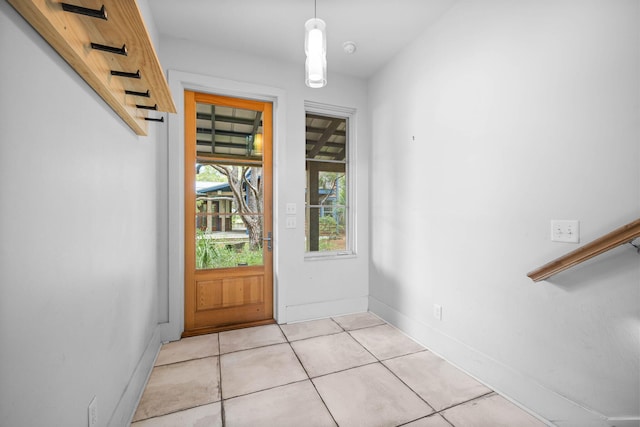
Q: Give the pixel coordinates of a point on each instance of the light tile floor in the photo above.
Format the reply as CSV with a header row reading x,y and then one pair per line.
x,y
353,370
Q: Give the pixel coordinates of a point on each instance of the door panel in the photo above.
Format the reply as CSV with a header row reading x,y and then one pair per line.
x,y
228,213
229,292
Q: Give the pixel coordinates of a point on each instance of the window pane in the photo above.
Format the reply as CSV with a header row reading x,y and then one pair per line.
x,y
326,137
327,198
327,229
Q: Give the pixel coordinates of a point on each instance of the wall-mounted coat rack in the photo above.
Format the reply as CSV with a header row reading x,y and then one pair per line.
x,y
107,43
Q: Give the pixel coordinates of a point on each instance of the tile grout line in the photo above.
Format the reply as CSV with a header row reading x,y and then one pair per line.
x,y
381,362
467,401
445,419
190,407
186,360
435,412
222,413
376,360
265,389
253,348
396,376
317,336
308,376
175,412
286,341
462,403
331,334
440,412
424,418
404,355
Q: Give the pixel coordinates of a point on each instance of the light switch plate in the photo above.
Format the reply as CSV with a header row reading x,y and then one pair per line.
x,y
291,222
437,311
565,231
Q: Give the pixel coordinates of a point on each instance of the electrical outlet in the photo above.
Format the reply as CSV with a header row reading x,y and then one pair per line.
x,y
291,222
437,311
291,209
93,412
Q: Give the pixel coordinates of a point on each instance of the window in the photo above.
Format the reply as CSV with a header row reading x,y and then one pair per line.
x,y
327,210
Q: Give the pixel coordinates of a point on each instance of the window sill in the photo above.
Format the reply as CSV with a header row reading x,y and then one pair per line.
x,y
320,256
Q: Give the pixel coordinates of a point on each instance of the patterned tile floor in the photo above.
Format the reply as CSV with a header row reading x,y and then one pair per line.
x,y
353,370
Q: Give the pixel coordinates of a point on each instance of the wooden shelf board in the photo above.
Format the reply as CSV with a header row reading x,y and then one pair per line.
x,y
617,237
71,36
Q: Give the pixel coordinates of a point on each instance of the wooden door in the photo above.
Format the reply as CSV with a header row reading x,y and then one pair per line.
x,y
228,213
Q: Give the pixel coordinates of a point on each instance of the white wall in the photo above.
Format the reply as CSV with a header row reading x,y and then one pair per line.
x,y
304,289
522,112
78,304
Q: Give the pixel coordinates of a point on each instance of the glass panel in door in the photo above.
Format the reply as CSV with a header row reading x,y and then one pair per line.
x,y
229,201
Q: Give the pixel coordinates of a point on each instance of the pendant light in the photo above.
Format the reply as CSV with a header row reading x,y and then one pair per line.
x,y
315,47
257,145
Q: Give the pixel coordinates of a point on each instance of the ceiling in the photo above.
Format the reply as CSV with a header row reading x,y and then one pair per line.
x,y
275,28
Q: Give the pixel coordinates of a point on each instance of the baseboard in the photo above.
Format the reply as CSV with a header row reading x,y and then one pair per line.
x,y
125,409
623,422
540,401
320,310
170,331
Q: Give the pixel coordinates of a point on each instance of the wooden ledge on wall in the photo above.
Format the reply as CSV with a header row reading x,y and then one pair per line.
x,y
113,39
625,234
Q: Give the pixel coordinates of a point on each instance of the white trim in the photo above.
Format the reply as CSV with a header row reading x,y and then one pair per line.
x,y
351,115
322,310
179,81
130,398
623,422
542,402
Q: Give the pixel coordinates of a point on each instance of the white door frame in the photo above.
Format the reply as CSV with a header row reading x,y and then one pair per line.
x,y
179,81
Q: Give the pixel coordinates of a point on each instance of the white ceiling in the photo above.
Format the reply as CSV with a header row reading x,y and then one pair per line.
x,y
275,28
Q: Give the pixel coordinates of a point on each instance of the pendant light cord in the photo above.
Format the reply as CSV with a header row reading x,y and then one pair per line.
x,y
315,9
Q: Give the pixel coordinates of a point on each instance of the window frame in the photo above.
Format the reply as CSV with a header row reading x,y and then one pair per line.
x,y
349,114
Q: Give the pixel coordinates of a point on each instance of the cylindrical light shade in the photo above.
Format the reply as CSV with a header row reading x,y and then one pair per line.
x,y
315,47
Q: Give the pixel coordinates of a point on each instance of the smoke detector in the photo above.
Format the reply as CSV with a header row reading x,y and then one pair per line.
x,y
349,47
